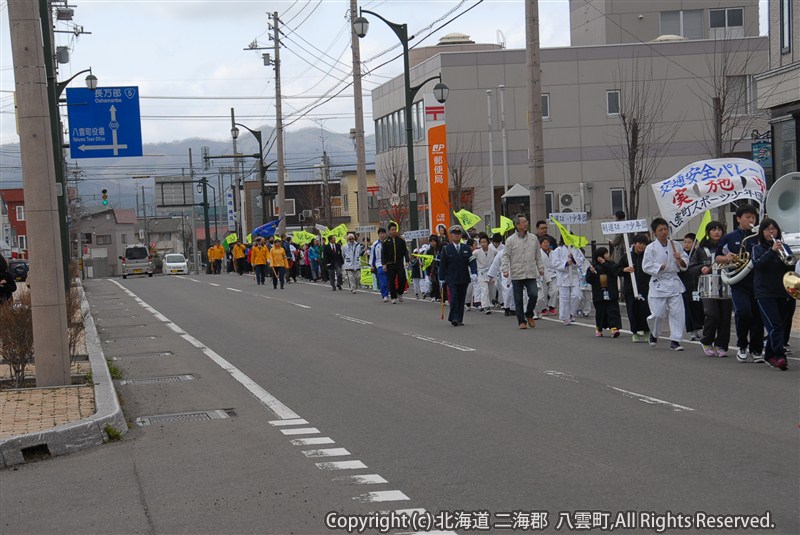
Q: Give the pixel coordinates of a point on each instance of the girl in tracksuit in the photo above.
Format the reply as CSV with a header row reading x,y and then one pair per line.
x,y
602,275
774,302
548,294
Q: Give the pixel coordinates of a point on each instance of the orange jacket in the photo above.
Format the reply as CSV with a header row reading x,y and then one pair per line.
x,y
277,257
238,251
259,255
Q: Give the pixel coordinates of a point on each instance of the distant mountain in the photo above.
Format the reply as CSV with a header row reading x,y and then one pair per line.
x,y
303,154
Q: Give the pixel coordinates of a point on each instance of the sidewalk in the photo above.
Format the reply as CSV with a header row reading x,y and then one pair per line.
x,y
52,421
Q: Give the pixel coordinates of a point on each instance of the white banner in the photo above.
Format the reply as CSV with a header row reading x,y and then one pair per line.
x,y
415,234
707,184
624,227
570,218
367,228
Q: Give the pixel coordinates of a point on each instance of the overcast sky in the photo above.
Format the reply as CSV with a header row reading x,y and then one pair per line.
x,y
183,49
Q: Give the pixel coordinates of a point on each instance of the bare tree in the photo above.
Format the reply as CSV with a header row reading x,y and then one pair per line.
x,y
644,135
729,116
393,180
464,176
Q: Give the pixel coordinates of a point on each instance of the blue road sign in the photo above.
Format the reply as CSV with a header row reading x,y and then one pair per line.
x,y
104,123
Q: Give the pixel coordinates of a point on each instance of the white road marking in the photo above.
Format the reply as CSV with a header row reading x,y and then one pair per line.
x,y
328,452
382,496
354,320
234,289
268,400
298,421
368,479
300,431
193,280
441,342
341,465
562,375
301,306
180,277
175,328
313,441
650,400
214,284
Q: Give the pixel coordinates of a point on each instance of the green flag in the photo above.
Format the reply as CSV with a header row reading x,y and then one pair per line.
x,y
229,239
506,225
248,238
701,231
301,237
427,259
467,218
340,232
569,238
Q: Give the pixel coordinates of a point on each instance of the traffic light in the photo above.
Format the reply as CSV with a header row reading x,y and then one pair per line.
x,y
105,197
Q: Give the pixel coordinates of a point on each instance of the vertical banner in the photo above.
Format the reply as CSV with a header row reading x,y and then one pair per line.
x,y
438,183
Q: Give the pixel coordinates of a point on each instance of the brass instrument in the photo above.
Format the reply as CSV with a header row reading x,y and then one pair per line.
x,y
738,268
791,283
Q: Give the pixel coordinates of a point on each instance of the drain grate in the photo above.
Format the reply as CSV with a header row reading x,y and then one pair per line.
x,y
127,338
185,417
142,355
157,380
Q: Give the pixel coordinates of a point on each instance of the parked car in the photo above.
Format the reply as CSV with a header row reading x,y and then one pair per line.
x,y
19,269
137,261
175,264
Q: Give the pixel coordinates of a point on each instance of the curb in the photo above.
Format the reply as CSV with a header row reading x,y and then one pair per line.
x,y
83,434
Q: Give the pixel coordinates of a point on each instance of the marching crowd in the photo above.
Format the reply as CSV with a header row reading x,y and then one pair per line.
x,y
530,275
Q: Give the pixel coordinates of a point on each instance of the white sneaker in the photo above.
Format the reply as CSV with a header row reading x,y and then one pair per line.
x,y
385,299
394,301
741,355
400,298
758,358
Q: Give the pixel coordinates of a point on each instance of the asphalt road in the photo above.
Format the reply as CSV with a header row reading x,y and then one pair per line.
x,y
487,417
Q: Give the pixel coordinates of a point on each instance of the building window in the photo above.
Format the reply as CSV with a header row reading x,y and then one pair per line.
x,y
548,202
726,23
612,102
22,242
786,26
546,106
20,213
688,24
372,202
618,200
737,98
289,204
123,238
103,239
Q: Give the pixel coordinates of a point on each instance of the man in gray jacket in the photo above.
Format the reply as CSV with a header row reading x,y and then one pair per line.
x,y
352,253
522,262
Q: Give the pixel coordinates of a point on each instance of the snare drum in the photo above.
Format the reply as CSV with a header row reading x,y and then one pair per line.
x,y
711,287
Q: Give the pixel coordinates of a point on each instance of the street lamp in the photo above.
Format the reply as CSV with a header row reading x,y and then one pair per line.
x,y
262,171
440,92
91,81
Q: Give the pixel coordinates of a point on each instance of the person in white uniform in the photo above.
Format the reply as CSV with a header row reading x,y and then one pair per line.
x,y
548,296
506,292
484,256
567,261
663,260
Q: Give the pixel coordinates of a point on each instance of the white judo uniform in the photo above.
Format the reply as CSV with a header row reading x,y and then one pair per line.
x,y
484,260
506,293
548,289
666,289
568,280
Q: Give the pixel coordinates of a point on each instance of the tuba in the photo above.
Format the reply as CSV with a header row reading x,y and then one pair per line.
x,y
783,205
736,270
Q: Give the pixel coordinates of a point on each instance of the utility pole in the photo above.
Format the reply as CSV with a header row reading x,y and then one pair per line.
x,y
535,130
361,158
504,135
491,156
279,125
48,299
194,222
717,113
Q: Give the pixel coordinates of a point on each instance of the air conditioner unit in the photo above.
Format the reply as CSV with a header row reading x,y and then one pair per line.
x,y
569,202
308,213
